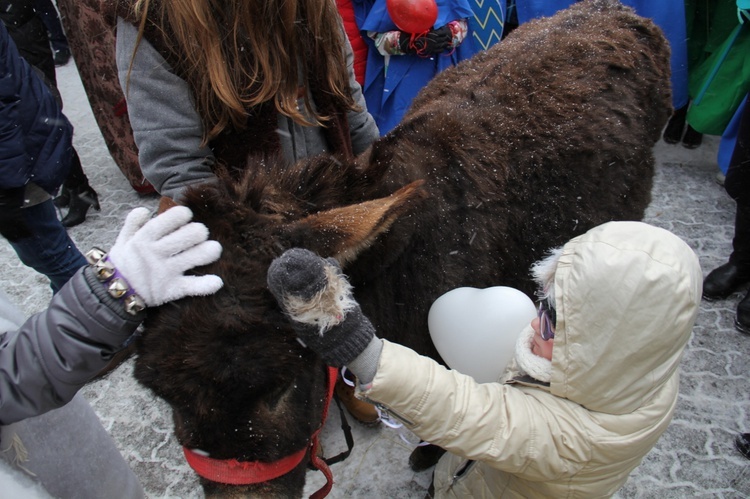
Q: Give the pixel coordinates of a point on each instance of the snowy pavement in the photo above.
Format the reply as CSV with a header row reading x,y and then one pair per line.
x,y
695,458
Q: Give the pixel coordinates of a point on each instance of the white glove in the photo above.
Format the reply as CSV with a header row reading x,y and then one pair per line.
x,y
153,254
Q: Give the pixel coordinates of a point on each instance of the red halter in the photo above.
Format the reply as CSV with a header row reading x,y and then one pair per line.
x,y
234,472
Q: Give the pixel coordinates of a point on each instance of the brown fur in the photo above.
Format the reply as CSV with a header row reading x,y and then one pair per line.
x,y
515,151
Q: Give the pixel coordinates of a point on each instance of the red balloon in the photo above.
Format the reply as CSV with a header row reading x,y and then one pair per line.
x,y
413,16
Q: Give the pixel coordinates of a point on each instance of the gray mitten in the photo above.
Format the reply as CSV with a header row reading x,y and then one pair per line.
x,y
317,298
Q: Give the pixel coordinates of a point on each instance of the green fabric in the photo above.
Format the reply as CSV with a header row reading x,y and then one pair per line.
x,y
708,23
713,106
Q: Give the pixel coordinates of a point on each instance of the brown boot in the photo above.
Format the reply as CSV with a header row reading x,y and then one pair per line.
x,y
361,411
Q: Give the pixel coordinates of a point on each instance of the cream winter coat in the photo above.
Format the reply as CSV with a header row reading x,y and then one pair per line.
x,y
627,295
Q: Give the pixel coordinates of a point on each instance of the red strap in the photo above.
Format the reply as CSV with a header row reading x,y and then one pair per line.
x,y
333,374
235,472
315,460
321,465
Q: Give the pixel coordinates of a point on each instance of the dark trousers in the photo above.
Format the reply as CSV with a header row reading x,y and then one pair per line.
x,y
51,19
49,250
76,177
737,184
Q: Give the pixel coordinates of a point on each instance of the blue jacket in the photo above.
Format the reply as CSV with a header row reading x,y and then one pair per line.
x,y
389,93
35,136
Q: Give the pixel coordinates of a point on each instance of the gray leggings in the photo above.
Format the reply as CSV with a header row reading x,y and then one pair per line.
x,y
71,454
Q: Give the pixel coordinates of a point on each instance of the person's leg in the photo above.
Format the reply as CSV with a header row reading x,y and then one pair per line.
x,y
736,272
77,194
738,173
692,138
738,180
675,126
70,454
727,278
51,19
50,251
724,280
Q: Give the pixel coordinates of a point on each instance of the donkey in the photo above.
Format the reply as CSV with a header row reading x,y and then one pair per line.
x,y
538,139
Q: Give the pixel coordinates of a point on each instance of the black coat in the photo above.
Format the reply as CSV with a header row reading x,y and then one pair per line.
x,y
35,136
29,34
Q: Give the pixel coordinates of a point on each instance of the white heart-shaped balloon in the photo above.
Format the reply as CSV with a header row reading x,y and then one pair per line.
x,y
475,330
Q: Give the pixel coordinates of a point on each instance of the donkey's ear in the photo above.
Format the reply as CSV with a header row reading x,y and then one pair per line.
x,y
345,232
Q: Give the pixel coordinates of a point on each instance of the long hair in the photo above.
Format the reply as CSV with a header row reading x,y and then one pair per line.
x,y
242,53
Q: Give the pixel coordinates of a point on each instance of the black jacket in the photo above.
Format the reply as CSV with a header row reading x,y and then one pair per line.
x,y
28,32
35,136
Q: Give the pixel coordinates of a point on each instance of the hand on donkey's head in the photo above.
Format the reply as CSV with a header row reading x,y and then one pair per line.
x,y
316,296
155,255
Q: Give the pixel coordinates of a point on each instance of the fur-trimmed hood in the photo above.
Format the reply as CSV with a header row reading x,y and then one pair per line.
x,y
626,296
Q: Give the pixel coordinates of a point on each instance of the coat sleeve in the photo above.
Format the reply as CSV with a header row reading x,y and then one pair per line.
x,y
14,165
362,126
35,136
166,126
55,352
525,432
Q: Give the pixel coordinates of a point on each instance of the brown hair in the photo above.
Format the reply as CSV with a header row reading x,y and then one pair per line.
x,y
242,53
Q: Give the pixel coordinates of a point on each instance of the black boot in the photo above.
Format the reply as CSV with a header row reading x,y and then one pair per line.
x,y
726,279
81,199
692,138
673,132
742,442
742,319
63,199
61,57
